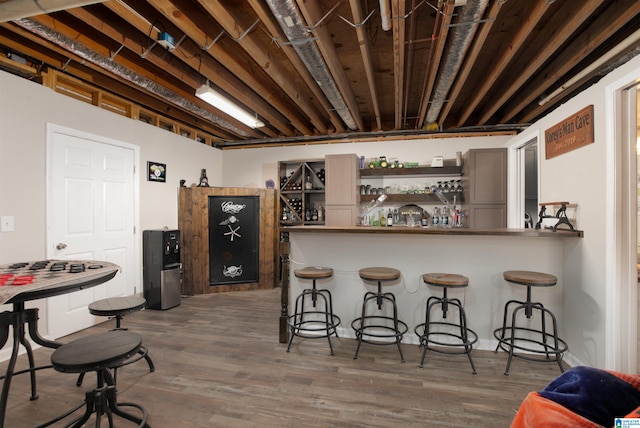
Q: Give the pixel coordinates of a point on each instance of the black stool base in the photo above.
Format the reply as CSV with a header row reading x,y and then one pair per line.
x,y
313,324
537,345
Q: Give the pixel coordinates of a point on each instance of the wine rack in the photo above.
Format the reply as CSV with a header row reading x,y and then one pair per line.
x,y
302,191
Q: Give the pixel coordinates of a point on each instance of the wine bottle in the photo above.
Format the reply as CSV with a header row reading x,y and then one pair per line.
x,y
424,221
314,214
390,218
383,218
320,213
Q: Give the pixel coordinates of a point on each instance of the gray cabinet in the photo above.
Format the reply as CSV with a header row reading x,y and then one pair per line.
x,y
341,191
485,188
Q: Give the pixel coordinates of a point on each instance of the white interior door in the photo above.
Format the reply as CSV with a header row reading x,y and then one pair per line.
x,y
90,216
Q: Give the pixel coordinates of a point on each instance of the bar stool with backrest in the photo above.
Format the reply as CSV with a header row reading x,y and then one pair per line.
x,y
118,307
447,336
525,341
100,353
378,328
317,321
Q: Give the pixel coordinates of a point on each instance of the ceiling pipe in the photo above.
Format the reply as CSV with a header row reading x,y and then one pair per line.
x,y
385,15
293,26
16,9
460,38
106,63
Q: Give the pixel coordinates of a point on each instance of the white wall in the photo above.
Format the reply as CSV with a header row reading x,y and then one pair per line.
x,y
26,108
252,167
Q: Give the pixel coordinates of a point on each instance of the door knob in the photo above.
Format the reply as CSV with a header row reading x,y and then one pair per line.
x,y
61,246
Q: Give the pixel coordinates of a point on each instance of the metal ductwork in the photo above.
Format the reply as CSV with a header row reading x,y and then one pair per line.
x,y
292,23
16,9
459,40
95,58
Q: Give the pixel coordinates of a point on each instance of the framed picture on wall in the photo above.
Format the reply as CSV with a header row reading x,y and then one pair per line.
x,y
156,172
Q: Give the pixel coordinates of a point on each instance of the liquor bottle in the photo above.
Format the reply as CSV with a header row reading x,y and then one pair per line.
x,y
390,218
204,181
424,220
308,185
445,217
435,219
285,213
383,218
314,214
307,214
320,213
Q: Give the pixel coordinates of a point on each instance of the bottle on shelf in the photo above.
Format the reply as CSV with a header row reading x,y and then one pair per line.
x,y
308,184
285,213
383,218
307,214
204,181
390,218
314,214
424,220
320,213
445,219
435,219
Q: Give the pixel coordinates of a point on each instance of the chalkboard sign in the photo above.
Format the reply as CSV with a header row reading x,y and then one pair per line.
x,y
234,238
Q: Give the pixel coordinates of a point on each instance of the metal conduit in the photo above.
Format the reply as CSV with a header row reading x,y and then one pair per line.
x,y
461,37
292,24
131,76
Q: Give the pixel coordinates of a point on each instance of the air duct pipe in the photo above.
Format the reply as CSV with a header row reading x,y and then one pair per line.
x,y
16,9
95,58
292,23
460,38
385,15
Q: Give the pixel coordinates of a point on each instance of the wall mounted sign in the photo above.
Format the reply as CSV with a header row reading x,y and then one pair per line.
x,y
234,232
156,172
570,134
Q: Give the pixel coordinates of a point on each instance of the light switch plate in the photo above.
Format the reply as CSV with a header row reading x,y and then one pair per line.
x,y
6,223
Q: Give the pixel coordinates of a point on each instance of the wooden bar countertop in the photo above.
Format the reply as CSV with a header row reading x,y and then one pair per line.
x,y
464,231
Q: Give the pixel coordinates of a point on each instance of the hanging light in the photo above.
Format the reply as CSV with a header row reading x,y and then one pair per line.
x,y
222,103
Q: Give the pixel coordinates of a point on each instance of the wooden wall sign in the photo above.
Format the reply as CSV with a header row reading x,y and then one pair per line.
x,y
570,134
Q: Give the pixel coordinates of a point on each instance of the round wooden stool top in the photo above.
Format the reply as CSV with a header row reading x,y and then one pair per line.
x,y
525,277
445,279
114,306
96,352
314,272
379,274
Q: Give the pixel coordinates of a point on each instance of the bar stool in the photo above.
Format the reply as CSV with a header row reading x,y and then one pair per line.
x,y
319,321
371,328
99,353
436,332
118,307
533,342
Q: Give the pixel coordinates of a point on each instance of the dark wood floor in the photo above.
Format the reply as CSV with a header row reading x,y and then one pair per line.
x,y
219,364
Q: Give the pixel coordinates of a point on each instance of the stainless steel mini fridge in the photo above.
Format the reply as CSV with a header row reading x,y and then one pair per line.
x,y
161,268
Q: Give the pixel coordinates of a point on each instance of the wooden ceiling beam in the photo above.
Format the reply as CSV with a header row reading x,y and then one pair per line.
x,y
226,72
253,46
582,47
579,15
440,33
275,32
51,55
115,34
365,51
312,14
399,36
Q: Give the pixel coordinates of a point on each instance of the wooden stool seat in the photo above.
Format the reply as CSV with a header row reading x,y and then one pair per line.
x,y
99,353
116,306
445,279
534,279
440,334
379,274
313,272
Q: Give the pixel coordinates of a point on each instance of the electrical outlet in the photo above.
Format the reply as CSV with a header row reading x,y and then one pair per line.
x,y
6,223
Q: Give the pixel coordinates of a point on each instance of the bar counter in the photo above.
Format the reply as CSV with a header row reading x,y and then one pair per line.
x,y
482,255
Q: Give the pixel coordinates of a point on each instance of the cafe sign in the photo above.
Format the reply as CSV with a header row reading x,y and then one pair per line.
x,y
570,134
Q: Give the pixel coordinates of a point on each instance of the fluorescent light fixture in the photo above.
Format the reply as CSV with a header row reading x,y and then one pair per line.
x,y
222,103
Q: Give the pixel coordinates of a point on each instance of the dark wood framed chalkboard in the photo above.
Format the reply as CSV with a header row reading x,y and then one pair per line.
x,y
234,238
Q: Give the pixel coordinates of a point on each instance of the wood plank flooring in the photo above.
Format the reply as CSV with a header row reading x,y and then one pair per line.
x,y
219,364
